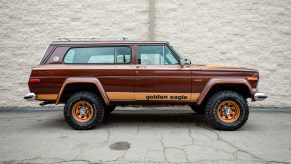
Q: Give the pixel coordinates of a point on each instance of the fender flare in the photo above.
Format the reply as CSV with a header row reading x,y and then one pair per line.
x,y
215,81
83,80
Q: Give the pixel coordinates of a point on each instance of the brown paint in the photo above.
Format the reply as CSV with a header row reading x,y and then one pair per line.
x,y
220,80
83,80
133,78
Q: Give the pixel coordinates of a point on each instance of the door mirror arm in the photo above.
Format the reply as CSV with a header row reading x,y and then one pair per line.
x,y
185,63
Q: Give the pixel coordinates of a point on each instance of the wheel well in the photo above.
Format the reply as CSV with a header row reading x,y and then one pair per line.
x,y
238,88
73,88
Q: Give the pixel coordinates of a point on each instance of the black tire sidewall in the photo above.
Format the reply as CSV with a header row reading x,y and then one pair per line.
x,y
98,110
242,112
219,97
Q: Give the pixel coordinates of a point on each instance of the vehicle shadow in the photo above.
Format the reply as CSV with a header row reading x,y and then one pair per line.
x,y
154,116
161,118
131,118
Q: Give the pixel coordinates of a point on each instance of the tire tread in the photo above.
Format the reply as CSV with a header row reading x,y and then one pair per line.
x,y
91,97
211,111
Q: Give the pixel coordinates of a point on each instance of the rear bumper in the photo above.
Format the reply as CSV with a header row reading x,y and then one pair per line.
x,y
259,96
29,97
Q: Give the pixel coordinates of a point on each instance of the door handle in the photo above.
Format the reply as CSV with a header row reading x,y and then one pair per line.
x,y
140,66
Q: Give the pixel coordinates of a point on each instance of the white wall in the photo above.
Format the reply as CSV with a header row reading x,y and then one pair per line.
x,y
247,33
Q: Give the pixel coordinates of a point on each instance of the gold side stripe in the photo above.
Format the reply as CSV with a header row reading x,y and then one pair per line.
x,y
163,96
195,96
46,96
121,96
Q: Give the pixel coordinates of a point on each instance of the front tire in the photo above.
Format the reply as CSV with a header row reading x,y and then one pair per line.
x,y
227,110
84,110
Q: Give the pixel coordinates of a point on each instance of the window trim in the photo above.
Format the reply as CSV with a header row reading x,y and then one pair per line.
x,y
164,45
130,59
115,56
177,58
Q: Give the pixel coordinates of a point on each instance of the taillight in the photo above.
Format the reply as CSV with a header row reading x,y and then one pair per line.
x,y
34,80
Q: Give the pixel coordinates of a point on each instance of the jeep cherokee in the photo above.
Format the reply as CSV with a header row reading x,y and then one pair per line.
x,y
93,77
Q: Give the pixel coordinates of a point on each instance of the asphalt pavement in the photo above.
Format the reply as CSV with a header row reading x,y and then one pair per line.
x,y
143,135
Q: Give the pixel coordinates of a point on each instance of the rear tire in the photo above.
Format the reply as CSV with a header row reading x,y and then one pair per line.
x,y
84,110
227,110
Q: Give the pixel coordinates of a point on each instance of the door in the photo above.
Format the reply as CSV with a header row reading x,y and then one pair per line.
x,y
159,77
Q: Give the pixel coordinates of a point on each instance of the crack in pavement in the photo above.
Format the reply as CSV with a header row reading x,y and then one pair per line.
x,y
48,133
50,160
164,148
190,135
194,143
118,158
211,147
168,147
219,138
278,162
186,155
78,160
108,135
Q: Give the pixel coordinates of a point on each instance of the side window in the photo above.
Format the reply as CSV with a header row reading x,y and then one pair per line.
x,y
123,54
155,55
98,55
70,56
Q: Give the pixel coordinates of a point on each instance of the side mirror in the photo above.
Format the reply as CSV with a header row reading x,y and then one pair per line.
x,y
188,62
185,63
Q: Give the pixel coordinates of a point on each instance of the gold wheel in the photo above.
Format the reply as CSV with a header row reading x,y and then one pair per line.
x,y
228,111
82,111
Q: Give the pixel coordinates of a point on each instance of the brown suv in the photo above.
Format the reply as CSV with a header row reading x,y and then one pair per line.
x,y
92,77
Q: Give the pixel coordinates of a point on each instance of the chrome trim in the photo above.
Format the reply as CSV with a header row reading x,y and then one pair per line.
x,y
260,96
29,97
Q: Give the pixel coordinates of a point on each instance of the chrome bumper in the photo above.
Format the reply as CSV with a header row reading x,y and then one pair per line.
x,y
260,96
29,97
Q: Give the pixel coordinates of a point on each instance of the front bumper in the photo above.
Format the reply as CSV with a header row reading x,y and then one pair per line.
x,y
259,96
29,97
